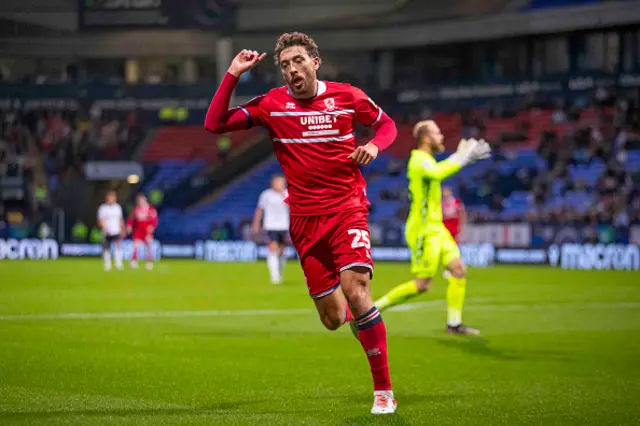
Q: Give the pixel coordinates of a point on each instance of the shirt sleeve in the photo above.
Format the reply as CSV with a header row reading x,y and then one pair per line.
x,y
100,213
221,119
254,110
262,201
366,111
440,170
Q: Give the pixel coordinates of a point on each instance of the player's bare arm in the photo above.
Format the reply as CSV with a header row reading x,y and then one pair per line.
x,y
130,223
365,154
257,218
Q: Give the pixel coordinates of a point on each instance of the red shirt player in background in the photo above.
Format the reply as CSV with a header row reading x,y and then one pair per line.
x,y
453,214
311,124
141,224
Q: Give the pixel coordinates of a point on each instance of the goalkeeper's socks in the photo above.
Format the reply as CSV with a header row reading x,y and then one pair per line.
x,y
398,295
455,300
373,338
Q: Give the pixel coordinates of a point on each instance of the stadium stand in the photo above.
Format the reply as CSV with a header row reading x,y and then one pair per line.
x,y
170,173
544,4
556,167
191,142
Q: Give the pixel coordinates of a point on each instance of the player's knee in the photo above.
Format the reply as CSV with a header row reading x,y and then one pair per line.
x,y
459,270
332,320
356,286
423,284
331,324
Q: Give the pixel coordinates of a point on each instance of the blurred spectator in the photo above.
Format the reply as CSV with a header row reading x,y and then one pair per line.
x,y
79,232
224,145
156,196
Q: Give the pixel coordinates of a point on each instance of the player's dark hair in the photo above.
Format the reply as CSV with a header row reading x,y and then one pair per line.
x,y
295,39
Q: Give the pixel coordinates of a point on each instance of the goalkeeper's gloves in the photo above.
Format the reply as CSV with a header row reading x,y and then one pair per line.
x,y
471,150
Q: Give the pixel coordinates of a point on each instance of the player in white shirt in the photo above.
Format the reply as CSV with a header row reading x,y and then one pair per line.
x,y
275,212
111,221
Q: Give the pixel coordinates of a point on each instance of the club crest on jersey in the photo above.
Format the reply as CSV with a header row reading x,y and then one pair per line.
x,y
290,105
330,104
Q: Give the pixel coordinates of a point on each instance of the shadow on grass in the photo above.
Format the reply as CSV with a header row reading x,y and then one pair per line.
x,y
404,400
480,347
369,420
232,408
224,408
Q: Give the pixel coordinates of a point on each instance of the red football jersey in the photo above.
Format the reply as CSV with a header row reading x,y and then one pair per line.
x,y
312,140
142,218
452,211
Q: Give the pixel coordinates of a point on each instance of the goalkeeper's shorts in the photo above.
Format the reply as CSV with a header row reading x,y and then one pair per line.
x,y
431,249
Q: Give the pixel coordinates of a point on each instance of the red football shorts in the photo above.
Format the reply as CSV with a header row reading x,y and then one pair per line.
x,y
454,231
140,235
330,244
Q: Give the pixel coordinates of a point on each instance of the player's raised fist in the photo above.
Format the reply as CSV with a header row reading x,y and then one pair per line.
x,y
244,61
365,154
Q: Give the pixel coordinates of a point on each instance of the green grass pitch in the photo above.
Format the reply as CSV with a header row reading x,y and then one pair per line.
x,y
193,343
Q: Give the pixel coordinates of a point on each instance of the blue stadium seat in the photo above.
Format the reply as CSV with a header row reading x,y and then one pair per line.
x,y
170,173
545,4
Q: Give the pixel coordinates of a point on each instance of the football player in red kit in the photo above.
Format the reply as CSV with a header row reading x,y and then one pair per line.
x,y
454,216
311,124
141,224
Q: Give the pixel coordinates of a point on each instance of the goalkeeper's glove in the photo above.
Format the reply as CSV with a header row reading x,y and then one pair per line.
x,y
471,150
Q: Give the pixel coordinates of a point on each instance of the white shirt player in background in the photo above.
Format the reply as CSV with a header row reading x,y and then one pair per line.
x,y
111,222
274,214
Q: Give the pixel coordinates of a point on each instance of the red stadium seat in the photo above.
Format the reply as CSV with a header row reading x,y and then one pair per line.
x,y
190,143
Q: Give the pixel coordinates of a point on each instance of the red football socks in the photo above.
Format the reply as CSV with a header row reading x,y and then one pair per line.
x,y
373,338
349,316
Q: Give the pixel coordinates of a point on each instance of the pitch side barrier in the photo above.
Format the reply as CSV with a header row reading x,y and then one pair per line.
x,y
622,257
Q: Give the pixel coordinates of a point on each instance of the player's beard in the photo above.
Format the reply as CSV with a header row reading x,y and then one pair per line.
x,y
438,147
299,86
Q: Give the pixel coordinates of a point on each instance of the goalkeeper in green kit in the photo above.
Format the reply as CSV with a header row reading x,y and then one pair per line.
x,y
430,242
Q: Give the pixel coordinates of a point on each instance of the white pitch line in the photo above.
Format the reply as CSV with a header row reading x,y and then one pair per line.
x,y
187,314
157,314
556,306
425,306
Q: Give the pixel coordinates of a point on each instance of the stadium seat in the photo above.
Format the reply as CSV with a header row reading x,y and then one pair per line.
x,y
191,142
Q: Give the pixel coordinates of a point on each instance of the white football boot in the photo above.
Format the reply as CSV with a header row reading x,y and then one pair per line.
x,y
383,403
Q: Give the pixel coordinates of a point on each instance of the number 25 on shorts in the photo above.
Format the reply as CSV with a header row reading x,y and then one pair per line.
x,y
360,239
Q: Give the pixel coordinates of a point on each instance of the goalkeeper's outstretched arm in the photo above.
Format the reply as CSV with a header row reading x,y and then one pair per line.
x,y
469,151
441,170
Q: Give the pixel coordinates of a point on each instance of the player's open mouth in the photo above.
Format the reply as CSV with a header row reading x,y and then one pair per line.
x,y
297,82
